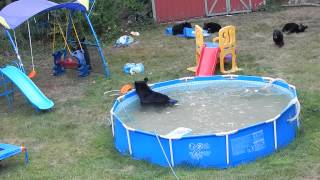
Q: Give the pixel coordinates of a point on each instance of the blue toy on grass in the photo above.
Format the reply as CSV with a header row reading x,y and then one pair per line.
x,y
187,32
9,150
133,68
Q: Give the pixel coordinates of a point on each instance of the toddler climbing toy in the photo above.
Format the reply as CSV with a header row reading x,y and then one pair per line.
x,y
227,45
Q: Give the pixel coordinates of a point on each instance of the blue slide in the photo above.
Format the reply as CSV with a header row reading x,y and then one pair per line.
x,y
27,87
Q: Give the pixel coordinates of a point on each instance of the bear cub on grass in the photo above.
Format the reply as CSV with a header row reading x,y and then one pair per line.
x,y
178,28
150,97
293,28
278,38
211,27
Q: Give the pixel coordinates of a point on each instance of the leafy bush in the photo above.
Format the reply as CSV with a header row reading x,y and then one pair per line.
x,y
110,17
114,17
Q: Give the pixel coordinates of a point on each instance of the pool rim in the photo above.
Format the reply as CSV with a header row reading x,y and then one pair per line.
x,y
273,81
291,88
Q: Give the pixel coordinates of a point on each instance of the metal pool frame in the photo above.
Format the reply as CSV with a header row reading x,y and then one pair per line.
x,y
219,150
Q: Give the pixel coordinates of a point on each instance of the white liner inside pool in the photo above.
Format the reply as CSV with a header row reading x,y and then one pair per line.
x,y
207,107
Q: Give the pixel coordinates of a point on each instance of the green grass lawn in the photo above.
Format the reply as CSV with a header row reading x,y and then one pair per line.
x,y
74,141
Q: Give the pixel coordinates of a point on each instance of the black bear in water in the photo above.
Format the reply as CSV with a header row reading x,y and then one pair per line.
x,y
278,38
211,27
178,28
294,28
150,97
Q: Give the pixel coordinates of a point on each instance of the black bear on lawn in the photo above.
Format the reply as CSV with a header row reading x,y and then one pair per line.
x,y
294,28
278,38
211,27
178,28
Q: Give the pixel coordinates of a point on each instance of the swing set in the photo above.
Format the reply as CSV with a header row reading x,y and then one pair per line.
x,y
66,58
13,15
20,12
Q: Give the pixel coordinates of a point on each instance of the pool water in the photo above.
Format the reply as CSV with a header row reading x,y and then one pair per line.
x,y
208,107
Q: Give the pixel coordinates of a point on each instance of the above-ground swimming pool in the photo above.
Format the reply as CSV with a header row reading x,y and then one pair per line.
x,y
219,121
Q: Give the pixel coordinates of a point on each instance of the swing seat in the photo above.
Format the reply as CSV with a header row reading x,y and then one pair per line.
x,y
69,63
32,74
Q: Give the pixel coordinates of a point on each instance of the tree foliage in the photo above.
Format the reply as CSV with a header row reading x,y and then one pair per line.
x,y
109,17
113,17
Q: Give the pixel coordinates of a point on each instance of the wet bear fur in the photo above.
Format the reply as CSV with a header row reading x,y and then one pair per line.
x,y
149,97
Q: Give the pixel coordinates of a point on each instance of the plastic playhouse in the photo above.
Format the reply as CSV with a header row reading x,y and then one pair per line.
x,y
209,54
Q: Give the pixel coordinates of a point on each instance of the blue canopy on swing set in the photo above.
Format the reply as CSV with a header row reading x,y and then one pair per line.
x,y
16,13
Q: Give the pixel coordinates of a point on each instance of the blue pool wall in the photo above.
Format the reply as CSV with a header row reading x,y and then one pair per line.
x,y
220,150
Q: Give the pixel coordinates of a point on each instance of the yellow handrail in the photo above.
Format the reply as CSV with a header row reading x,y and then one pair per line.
x,y
75,31
64,38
